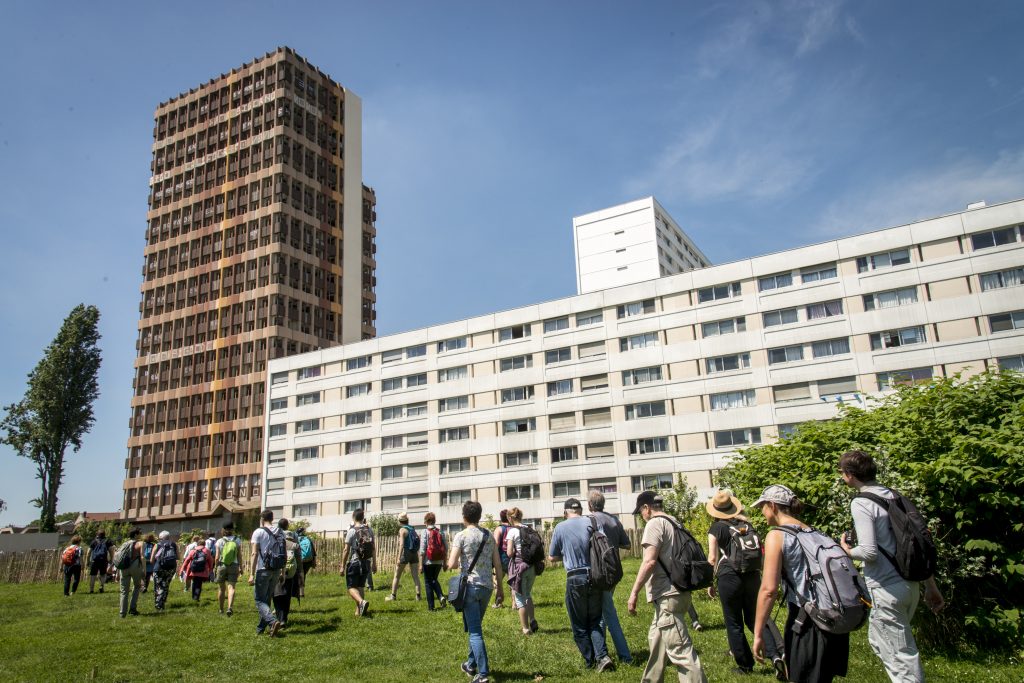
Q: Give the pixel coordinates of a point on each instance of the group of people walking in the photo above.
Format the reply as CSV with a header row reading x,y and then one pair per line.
x,y
741,569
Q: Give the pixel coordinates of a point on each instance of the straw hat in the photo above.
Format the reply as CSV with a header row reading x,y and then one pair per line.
x,y
724,505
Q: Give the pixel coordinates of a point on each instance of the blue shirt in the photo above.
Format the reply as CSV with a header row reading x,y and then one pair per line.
x,y
571,542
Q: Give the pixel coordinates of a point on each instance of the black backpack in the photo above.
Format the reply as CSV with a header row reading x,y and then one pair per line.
x,y
167,556
745,551
533,548
276,556
605,565
198,565
916,556
690,568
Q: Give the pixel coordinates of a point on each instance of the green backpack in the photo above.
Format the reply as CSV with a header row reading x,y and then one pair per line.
x,y
229,553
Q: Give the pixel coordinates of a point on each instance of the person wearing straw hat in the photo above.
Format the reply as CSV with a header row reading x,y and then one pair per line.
x,y
734,549
408,556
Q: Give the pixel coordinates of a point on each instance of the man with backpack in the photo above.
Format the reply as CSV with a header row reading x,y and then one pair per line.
x,y
267,560
128,560
99,557
226,561
667,545
71,565
616,536
570,543
308,551
165,562
433,553
358,560
893,542
409,557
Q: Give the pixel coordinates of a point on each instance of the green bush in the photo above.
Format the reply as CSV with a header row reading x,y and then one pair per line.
x,y
956,447
384,525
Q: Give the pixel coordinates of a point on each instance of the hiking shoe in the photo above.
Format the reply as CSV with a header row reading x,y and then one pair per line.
x,y
134,612
229,612
606,664
274,628
697,626
390,598
779,665
364,607
418,597
444,602
534,626
480,678
468,670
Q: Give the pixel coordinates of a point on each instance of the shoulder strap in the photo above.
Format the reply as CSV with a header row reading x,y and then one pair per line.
x,y
884,504
483,542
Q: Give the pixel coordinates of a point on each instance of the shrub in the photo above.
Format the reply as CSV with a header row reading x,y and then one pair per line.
x,y
384,525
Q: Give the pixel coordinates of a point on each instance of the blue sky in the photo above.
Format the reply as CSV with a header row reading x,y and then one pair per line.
x,y
760,126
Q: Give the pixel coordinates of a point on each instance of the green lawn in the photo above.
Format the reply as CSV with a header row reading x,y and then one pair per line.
x,y
46,636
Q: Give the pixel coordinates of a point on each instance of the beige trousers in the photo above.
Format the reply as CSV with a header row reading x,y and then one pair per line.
x,y
669,640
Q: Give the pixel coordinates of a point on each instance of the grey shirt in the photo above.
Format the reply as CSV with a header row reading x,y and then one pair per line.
x,y
612,528
263,537
871,521
352,541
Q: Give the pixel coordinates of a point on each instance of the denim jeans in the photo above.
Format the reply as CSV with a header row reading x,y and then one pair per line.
x,y
477,598
584,605
611,621
263,590
430,574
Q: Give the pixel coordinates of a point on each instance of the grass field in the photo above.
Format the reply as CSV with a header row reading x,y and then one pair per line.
x,y
46,637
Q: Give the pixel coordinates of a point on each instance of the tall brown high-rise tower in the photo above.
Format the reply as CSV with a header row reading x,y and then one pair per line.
x,y
260,244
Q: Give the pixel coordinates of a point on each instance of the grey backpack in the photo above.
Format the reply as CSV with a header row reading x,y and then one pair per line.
x,y
839,598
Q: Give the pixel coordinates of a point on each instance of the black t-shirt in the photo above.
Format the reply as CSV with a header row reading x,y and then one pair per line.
x,y
720,530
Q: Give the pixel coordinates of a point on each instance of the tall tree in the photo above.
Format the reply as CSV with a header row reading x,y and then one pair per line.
x,y
56,411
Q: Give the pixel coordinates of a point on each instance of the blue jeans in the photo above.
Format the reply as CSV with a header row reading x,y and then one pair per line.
x,y
263,589
611,620
477,598
584,606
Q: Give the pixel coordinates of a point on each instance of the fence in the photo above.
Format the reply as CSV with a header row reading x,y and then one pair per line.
x,y
40,566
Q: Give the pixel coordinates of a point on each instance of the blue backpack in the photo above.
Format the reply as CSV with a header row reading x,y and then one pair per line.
x,y
412,539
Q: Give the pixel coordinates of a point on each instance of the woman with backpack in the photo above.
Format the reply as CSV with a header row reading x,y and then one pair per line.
x,y
197,566
433,551
734,550
520,574
410,556
812,654
165,562
71,565
148,545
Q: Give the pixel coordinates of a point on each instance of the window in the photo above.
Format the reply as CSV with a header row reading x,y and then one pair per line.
x,y
564,454
785,354
718,292
728,326
453,403
657,444
993,238
912,376
733,399
830,347
890,299
453,434
901,337
451,344
279,378
309,373
305,510
456,465
308,453
278,404
788,429
597,417
278,430
784,316
416,351
515,363
360,446
827,388
591,350
305,481
356,476
389,443
726,363
885,259
524,492
525,424
825,309
307,399
514,332
516,394
605,449
357,363
651,482
357,390
392,472
520,458
638,341
308,425
737,437
560,387
557,356
416,439
589,318
275,457
818,273
392,413
792,392
419,380
392,503
353,505
641,375
391,384
635,308
452,374
556,324
637,411
593,383
778,281
562,421
456,497
1006,321
564,489
1012,363
391,356
274,485
416,409
360,418
1002,278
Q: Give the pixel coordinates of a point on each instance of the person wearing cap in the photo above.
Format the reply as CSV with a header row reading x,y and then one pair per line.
x,y
738,592
409,541
667,637
810,654
570,544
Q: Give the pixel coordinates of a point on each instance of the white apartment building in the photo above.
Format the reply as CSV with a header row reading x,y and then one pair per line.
x,y
630,243
618,389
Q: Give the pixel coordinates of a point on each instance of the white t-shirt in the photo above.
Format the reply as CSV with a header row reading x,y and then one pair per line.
x,y
516,538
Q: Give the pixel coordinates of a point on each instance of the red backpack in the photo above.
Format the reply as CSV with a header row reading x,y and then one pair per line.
x,y
435,544
69,557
